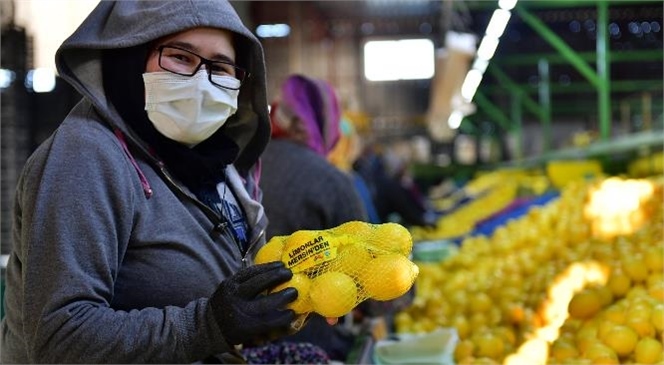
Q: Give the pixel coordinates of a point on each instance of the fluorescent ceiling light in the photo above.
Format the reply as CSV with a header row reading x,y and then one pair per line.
x,y
480,64
273,30
405,59
6,78
498,23
455,119
470,84
487,47
507,4
40,80
464,42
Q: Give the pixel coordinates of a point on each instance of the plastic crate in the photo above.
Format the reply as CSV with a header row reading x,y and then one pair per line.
x,y
565,171
434,251
429,348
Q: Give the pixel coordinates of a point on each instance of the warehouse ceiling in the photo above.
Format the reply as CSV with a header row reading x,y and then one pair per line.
x,y
634,40
633,25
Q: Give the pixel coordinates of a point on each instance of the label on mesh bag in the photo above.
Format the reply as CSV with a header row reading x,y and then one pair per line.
x,y
309,254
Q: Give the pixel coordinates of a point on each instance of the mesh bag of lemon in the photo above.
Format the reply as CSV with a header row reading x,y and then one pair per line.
x,y
336,269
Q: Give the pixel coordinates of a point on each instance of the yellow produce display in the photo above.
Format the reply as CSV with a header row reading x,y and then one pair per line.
x,y
558,285
650,165
562,172
492,192
461,221
336,269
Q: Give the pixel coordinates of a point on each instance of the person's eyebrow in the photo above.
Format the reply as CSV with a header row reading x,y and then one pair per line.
x,y
192,48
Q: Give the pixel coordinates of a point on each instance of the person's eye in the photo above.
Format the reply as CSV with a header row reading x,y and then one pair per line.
x,y
222,69
181,57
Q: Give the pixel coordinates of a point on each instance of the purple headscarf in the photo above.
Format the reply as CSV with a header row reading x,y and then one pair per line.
x,y
314,102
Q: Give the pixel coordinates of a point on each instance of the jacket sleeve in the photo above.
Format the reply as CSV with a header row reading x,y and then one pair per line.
x,y
77,202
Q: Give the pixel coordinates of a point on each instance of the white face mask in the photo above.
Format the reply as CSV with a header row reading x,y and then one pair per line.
x,y
189,109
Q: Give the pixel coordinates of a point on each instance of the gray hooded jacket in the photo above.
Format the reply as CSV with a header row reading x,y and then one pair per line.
x,y
113,259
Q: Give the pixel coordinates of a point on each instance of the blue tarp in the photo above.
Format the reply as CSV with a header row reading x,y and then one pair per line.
x,y
515,210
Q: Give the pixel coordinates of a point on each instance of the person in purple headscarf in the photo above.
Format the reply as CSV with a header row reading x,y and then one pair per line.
x,y
308,112
301,188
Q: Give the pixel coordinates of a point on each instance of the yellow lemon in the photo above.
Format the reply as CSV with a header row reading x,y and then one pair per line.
x,y
654,259
657,317
507,334
622,340
343,239
388,276
604,359
641,325
648,351
615,314
478,322
271,251
358,229
635,268
480,302
601,352
605,294
333,294
654,279
586,335
489,345
604,327
352,259
585,304
462,326
392,237
657,291
463,350
585,343
403,321
513,312
619,283
562,349
298,239
302,284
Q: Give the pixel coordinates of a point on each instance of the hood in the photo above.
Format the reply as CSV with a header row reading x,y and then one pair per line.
x,y
134,24
314,104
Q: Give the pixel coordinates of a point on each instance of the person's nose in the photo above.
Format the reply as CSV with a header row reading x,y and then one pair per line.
x,y
204,66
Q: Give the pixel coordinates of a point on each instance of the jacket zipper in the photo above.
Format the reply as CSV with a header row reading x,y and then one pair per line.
x,y
217,221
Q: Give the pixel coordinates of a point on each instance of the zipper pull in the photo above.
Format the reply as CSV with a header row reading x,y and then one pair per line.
x,y
220,227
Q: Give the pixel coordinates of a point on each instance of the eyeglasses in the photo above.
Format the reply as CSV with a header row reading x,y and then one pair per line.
x,y
186,63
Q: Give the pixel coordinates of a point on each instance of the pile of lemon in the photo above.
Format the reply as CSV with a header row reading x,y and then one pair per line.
x,y
462,220
491,193
495,290
336,269
649,165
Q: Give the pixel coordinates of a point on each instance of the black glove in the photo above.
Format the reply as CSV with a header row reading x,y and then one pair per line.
x,y
245,314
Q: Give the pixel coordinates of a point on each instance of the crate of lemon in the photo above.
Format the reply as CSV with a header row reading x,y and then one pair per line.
x,y
336,269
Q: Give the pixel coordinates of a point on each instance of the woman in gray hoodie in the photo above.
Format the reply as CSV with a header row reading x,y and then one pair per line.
x,y
136,222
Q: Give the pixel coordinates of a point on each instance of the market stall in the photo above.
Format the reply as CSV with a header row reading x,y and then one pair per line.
x,y
567,271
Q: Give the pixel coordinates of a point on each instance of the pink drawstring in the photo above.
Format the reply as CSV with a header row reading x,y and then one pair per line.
x,y
257,178
144,181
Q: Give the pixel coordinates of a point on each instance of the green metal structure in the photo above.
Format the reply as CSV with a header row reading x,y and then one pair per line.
x,y
595,67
